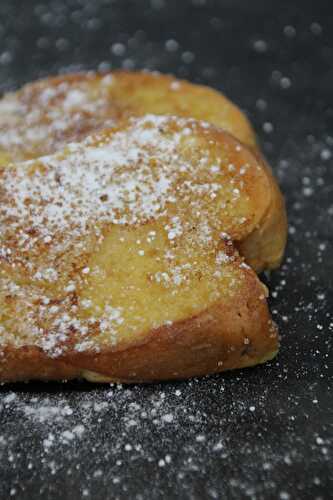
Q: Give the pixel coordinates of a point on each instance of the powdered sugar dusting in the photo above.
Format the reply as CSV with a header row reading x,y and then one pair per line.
x,y
100,181
41,118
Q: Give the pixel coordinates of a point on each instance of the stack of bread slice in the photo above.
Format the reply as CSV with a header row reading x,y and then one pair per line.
x,y
135,212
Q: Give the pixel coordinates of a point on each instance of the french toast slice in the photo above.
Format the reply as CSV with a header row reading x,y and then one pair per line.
x,y
45,115
117,260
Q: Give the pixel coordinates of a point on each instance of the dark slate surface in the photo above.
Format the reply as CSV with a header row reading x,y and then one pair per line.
x,y
261,433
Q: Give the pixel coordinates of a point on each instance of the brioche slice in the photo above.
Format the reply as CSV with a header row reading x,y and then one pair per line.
x,y
44,116
47,114
117,259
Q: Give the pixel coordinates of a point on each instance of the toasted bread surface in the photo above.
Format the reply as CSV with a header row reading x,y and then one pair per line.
x,y
264,247
44,116
117,259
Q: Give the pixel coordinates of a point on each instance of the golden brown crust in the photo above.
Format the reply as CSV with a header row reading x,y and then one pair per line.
x,y
31,363
219,339
264,247
226,336
182,98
